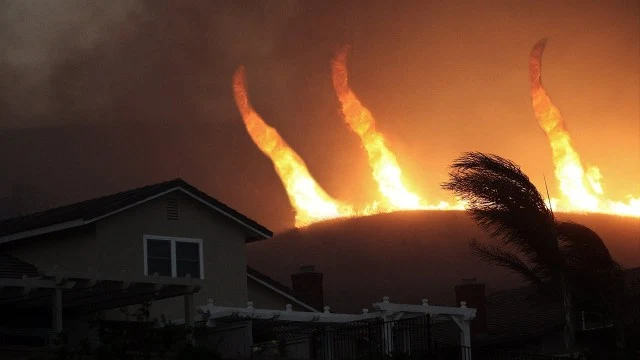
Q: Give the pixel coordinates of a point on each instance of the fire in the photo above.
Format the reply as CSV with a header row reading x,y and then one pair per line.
x,y
386,171
310,201
581,189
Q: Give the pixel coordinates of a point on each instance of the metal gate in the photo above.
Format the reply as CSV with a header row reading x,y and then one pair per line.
x,y
375,339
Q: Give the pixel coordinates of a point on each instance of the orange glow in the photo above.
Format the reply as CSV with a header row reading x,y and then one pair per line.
x,y
309,200
580,190
386,171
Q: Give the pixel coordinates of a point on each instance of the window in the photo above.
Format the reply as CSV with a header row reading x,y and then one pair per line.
x,y
159,257
175,257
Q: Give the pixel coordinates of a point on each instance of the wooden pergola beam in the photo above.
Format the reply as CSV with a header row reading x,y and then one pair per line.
x,y
36,283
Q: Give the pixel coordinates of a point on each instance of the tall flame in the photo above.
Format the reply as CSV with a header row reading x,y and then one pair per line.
x,y
386,170
581,190
310,201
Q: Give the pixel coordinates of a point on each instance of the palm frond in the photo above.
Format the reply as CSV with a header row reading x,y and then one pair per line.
x,y
500,257
596,277
583,248
504,202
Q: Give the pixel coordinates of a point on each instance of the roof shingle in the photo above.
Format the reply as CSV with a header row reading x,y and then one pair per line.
x,y
94,208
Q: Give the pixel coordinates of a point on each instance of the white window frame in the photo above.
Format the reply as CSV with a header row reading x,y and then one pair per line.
x,y
172,240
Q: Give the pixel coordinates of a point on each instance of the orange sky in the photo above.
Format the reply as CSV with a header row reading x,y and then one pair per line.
x,y
441,78
447,77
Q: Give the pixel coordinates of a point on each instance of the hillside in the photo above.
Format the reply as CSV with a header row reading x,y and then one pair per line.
x,y
408,255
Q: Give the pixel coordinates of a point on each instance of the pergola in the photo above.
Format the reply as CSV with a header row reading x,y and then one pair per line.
x,y
82,295
384,310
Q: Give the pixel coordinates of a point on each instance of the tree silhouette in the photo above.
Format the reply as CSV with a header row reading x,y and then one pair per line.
x,y
564,259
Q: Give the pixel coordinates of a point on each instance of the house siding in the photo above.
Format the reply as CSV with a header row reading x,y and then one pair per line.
x,y
120,241
71,251
112,248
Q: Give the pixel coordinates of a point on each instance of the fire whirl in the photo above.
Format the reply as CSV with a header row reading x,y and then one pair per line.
x,y
386,171
581,190
310,201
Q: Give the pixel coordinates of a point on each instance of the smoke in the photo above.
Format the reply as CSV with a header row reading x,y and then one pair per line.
x,y
156,77
96,61
249,32
119,93
39,35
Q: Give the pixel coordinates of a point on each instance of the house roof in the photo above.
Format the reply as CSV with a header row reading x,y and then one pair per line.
x,y
522,312
14,268
88,211
632,278
277,287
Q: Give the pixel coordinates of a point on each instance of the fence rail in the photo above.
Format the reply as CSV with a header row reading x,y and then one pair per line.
x,y
405,339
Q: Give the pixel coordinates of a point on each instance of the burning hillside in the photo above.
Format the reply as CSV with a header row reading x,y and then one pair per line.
x,y
409,255
581,190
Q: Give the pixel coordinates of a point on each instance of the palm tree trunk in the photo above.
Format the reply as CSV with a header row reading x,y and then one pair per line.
x,y
569,324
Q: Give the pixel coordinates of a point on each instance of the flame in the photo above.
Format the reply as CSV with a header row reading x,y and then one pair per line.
x,y
581,190
310,201
386,171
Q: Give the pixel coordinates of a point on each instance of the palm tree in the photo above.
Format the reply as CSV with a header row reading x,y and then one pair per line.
x,y
560,258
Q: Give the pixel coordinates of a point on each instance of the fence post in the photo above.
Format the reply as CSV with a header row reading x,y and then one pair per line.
x,y
57,310
188,318
387,335
327,345
428,339
465,339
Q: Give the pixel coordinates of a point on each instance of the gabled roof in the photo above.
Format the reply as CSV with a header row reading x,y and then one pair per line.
x,y
14,268
89,211
278,287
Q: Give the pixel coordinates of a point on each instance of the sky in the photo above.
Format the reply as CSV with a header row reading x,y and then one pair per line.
x,y
99,97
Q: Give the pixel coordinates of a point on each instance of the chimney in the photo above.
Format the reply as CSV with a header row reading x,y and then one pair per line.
x,y
308,285
474,294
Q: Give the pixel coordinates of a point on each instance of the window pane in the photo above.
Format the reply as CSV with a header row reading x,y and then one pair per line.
x,y
187,251
159,248
160,266
188,267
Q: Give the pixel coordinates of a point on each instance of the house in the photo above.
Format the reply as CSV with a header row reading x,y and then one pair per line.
x,y
520,319
184,252
168,243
